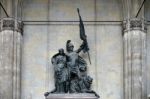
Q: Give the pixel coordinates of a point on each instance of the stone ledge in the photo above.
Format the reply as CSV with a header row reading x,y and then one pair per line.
x,y
71,96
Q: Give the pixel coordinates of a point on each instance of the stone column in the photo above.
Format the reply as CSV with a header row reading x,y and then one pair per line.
x,y
10,58
134,39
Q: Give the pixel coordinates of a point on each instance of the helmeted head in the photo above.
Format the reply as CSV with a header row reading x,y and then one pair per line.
x,y
69,46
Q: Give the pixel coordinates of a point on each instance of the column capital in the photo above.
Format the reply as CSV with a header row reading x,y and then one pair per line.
x,y
11,24
134,24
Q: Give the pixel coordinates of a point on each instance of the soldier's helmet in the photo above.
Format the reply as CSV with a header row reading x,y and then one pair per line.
x,y
69,45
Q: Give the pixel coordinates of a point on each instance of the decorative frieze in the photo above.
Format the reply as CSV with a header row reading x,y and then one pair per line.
x,y
11,24
134,24
8,24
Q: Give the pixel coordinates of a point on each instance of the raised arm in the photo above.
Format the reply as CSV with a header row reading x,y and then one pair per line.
x,y
81,48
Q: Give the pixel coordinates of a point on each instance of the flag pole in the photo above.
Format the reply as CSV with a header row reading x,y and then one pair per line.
x,y
83,36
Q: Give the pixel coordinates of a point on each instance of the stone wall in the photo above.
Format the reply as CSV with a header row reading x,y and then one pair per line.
x,y
147,16
41,40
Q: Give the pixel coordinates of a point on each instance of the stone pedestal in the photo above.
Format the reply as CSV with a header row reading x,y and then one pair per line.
x,y
10,58
71,96
134,38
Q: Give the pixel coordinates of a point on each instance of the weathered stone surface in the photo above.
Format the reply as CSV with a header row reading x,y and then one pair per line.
x,y
10,59
39,42
134,60
148,60
71,96
11,24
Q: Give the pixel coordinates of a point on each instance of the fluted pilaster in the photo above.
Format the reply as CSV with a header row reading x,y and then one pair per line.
x,y
134,39
10,58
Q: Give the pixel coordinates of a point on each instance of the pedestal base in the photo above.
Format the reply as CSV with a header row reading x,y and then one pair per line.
x,y
71,96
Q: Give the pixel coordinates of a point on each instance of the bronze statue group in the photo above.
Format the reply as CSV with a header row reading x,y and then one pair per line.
x,y
70,69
